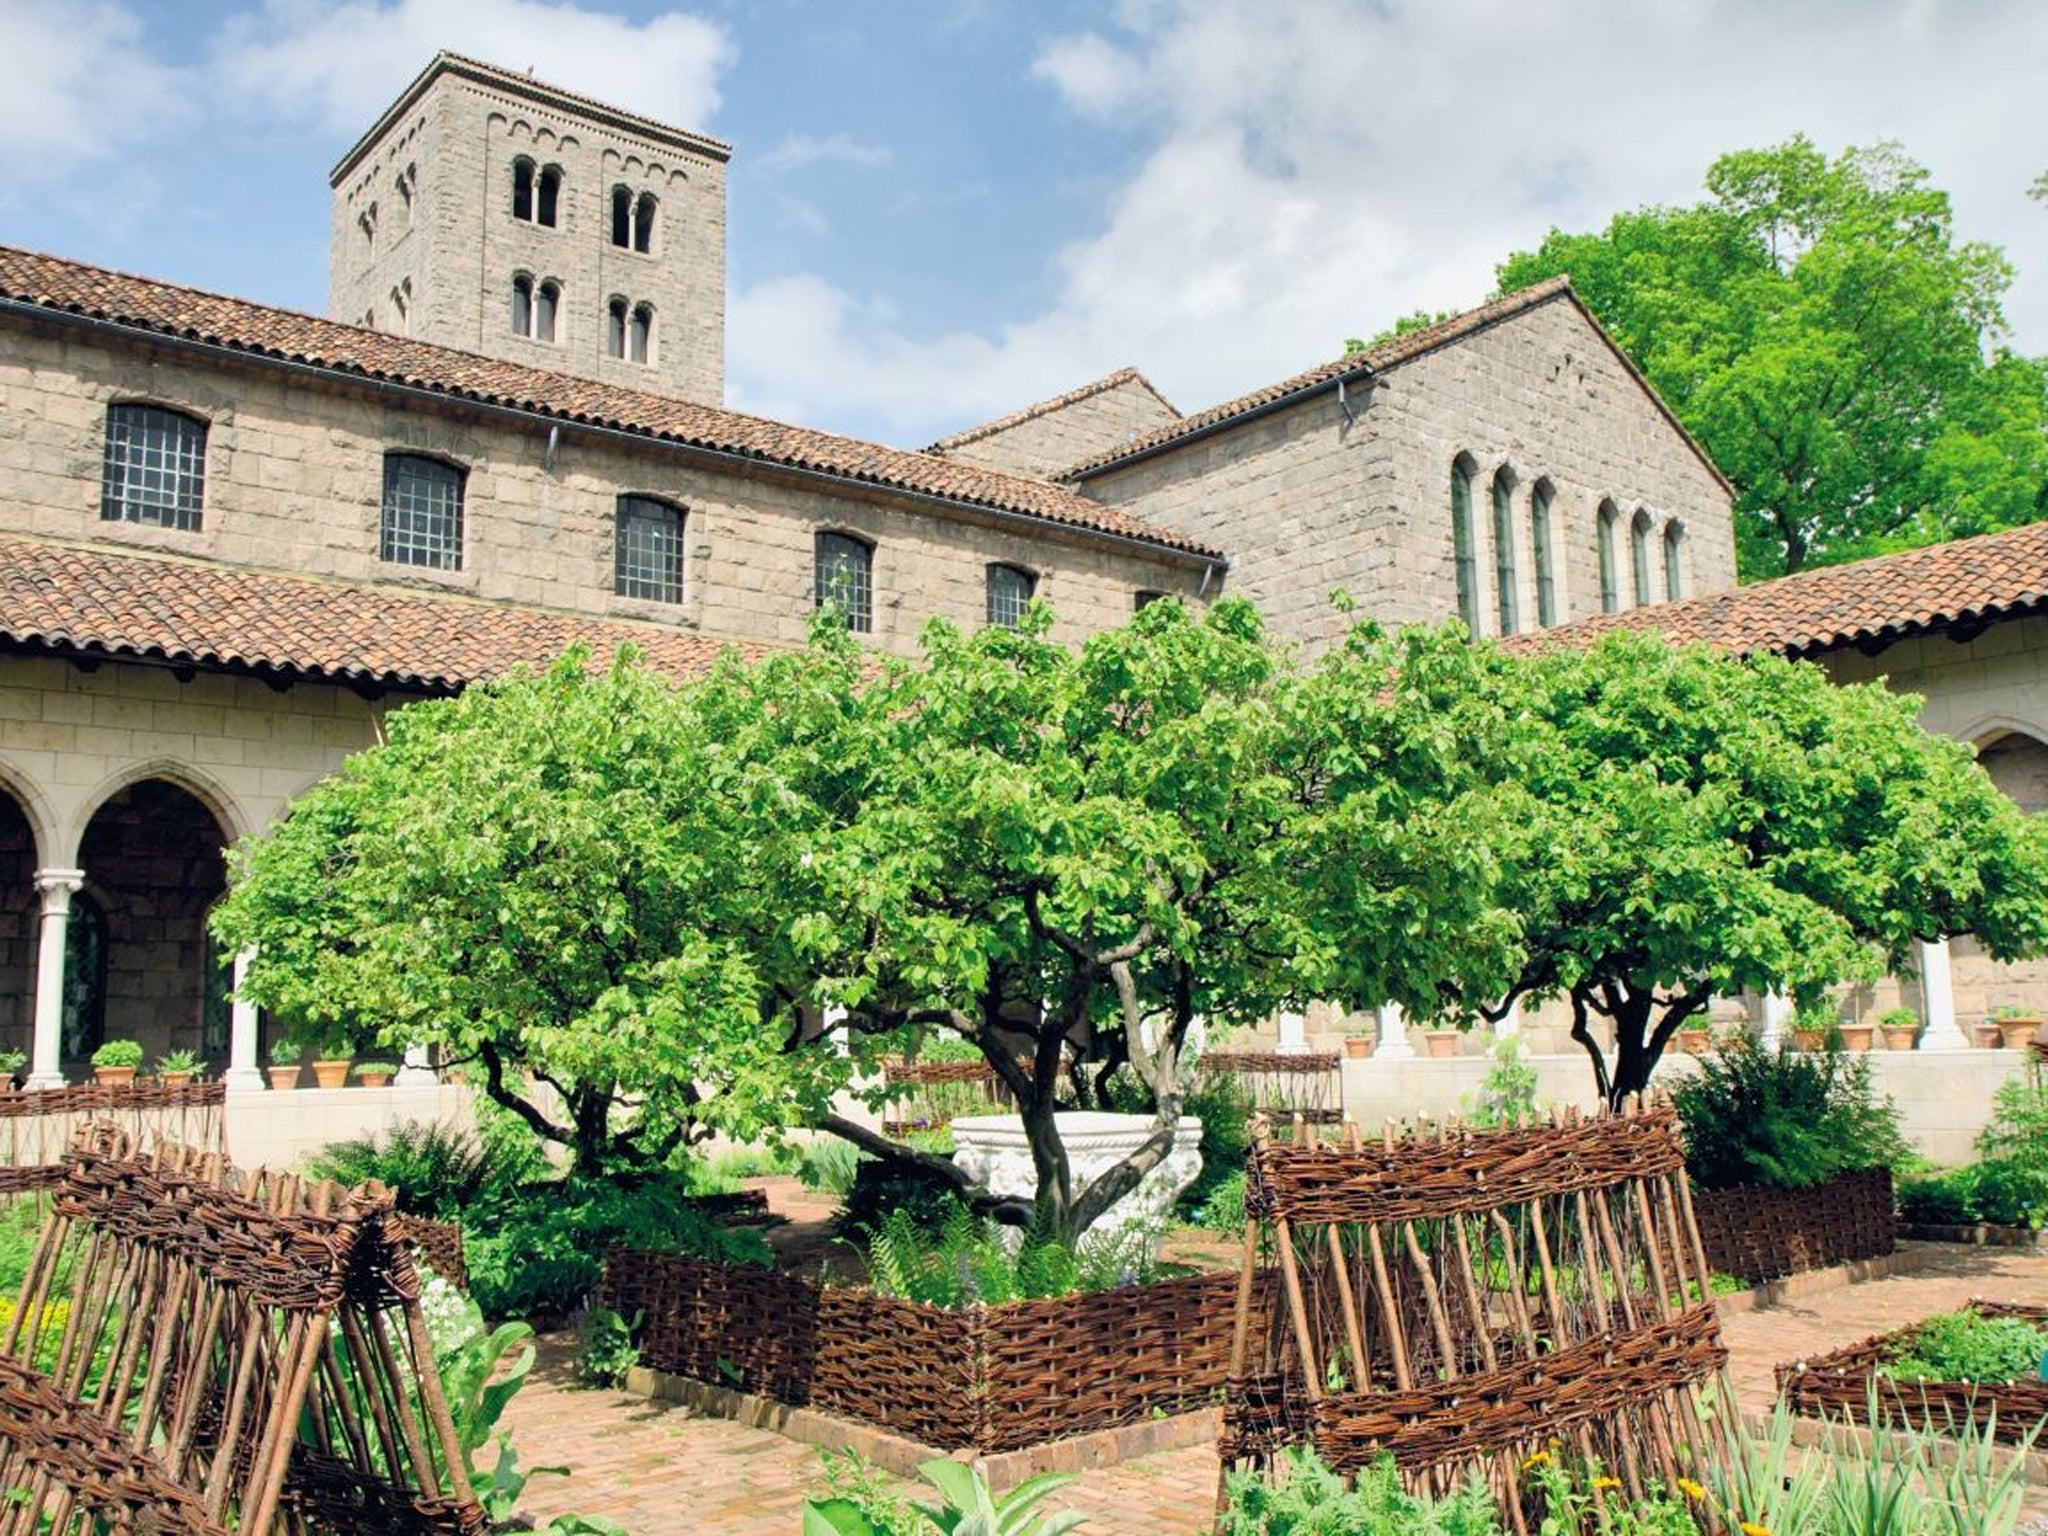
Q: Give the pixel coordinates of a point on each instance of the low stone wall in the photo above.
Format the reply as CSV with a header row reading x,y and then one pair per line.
x,y
986,1379
1764,1234
267,1129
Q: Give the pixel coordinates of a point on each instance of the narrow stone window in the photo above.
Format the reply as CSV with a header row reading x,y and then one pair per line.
x,y
615,328
407,183
422,520
401,302
640,342
649,550
1009,594
846,579
1539,550
1463,539
545,305
155,470
1144,598
643,223
549,199
1639,550
1674,561
522,305
1610,583
1506,579
622,217
522,189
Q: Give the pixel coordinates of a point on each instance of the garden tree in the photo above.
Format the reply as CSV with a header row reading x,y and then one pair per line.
x,y
1676,824
1816,324
577,873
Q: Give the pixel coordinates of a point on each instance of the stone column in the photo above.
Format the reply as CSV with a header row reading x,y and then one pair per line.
x,y
1938,1000
242,1075
1509,1023
1293,1034
56,887
1393,1030
1777,1014
417,1070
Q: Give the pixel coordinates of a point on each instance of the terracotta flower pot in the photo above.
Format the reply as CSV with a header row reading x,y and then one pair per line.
x,y
1358,1047
330,1074
1988,1036
1900,1037
1808,1040
284,1079
174,1079
2017,1032
373,1079
1694,1042
1856,1037
113,1074
1442,1043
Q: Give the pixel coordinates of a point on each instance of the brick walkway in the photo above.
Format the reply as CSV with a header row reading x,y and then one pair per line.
x,y
659,1469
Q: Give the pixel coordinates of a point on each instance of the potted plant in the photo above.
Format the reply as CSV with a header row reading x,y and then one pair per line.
x,y
1695,1041
285,1057
1358,1047
1812,1024
330,1068
174,1069
374,1074
1856,1035
1441,1044
1900,1026
116,1061
12,1064
2017,1027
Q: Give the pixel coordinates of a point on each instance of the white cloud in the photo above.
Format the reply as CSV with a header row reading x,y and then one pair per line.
x,y
1319,168
802,149
80,87
341,64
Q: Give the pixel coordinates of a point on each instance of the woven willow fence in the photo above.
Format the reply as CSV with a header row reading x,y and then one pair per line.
x,y
1760,1234
1464,1299
1284,1084
938,1092
194,1353
38,1127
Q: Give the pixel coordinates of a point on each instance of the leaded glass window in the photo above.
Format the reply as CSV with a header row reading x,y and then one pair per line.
x,y
649,550
1610,584
1507,582
155,469
422,522
1639,549
1539,550
1009,594
846,575
1462,542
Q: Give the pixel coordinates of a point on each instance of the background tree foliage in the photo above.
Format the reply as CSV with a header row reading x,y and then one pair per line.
x,y
1820,329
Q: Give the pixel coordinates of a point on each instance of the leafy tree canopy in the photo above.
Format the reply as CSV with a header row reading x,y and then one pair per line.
x,y
1820,329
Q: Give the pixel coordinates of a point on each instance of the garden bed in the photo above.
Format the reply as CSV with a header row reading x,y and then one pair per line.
x,y
1761,1234
1979,1234
1847,1383
986,1379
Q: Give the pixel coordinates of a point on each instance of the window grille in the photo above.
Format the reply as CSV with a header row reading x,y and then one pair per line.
x,y
1009,594
649,550
845,569
422,522
155,470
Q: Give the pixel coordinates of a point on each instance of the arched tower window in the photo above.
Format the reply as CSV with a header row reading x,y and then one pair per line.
x,y
1639,552
547,302
640,334
643,223
522,305
1539,550
846,579
1009,594
1509,582
522,189
615,328
1674,561
548,202
155,468
622,217
1464,542
1610,583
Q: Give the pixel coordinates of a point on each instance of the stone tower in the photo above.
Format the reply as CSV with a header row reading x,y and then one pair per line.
x,y
487,211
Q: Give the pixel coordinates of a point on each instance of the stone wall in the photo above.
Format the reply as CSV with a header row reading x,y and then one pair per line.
x,y
18,922
1047,440
295,482
1308,504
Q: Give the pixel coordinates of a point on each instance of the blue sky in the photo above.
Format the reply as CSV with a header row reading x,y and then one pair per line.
x,y
942,209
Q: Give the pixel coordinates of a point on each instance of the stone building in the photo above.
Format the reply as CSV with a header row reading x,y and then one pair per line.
x,y
232,537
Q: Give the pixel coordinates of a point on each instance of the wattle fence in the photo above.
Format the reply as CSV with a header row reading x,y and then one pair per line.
x,y
1761,1234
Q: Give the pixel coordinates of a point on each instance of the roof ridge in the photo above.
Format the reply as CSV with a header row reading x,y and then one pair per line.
x,y
1047,406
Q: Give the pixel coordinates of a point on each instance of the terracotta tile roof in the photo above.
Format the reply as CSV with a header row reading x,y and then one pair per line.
x,y
1959,585
188,314
101,602
1108,381
1389,354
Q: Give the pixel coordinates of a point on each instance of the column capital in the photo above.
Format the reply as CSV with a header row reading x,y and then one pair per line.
x,y
57,887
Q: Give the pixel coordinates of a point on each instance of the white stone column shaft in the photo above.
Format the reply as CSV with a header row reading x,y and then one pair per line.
x,y
56,887
1510,1023
417,1071
1938,1000
1777,1014
242,1075
1293,1034
1393,1030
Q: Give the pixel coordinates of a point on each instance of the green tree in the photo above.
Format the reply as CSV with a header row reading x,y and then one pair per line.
x,y
1675,824
1820,329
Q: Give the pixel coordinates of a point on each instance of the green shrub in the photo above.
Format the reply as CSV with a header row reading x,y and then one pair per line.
x,y
434,1170
880,1188
829,1166
967,1261
1784,1120
1225,1110
1940,1200
1223,1211
1508,1091
118,1053
1964,1346
605,1350
2011,1193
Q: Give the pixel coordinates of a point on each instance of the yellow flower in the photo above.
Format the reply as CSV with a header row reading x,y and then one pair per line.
x,y
1691,1489
1540,1459
1602,1483
1751,1528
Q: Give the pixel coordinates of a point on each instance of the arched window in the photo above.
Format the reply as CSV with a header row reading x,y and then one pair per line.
x,y
550,198
1507,582
622,217
522,305
846,579
1610,582
155,468
1464,541
643,223
1639,551
84,1015
1674,561
648,547
422,518
640,334
615,328
546,304
1539,550
522,189
1009,594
